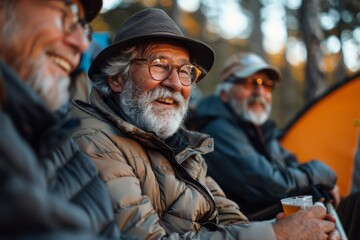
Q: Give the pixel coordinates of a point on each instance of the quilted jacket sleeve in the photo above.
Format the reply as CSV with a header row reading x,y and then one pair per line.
x,y
28,209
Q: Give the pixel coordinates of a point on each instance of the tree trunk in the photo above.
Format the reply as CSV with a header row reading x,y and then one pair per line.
x,y
312,33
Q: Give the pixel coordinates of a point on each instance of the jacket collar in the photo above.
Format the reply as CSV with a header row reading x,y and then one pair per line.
x,y
197,142
32,119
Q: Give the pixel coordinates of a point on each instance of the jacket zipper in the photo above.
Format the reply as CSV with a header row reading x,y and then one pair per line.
x,y
183,175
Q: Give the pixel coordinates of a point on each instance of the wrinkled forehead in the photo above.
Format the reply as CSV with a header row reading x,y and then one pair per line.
x,y
145,48
76,5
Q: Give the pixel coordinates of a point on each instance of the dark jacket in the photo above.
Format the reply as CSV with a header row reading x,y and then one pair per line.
x,y
49,189
248,161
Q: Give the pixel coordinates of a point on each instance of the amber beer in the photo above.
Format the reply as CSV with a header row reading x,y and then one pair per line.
x,y
294,204
290,209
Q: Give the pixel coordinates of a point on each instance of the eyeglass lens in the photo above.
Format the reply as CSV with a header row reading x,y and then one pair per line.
x,y
161,68
72,20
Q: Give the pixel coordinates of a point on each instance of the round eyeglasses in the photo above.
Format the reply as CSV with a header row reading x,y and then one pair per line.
x,y
160,69
71,19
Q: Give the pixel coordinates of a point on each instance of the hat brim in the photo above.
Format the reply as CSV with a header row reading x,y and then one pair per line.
x,y
273,72
201,54
92,8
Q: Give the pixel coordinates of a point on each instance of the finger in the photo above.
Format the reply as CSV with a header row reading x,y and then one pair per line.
x,y
330,217
327,226
334,235
335,193
316,211
280,216
320,204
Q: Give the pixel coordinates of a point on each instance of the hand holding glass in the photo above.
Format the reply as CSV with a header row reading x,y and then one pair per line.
x,y
296,203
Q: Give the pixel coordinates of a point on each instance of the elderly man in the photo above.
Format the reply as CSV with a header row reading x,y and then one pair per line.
x,y
237,117
49,189
153,168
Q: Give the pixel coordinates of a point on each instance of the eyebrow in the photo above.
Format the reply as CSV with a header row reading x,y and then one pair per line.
x,y
182,60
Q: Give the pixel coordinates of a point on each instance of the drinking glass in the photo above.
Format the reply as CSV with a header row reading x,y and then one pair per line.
x,y
296,203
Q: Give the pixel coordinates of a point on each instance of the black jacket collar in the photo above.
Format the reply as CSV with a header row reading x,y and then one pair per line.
x,y
33,120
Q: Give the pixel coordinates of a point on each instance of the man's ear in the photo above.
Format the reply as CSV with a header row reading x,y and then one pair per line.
x,y
116,83
224,96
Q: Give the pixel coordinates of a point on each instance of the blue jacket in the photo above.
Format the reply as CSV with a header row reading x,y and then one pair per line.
x,y
249,163
49,189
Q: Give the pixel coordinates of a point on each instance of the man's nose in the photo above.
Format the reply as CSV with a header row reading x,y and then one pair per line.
x,y
173,81
259,88
78,39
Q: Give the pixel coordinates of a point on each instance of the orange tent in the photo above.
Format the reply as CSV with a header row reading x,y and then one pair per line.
x,y
327,129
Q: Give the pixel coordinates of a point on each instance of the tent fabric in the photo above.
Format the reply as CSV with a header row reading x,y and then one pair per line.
x,y
328,129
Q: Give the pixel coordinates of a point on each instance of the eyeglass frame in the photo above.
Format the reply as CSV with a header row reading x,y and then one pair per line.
x,y
254,82
149,61
76,20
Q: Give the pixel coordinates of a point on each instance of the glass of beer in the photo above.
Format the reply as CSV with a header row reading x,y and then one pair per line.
x,y
296,203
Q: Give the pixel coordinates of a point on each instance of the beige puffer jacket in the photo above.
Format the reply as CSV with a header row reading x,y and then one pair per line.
x,y
156,194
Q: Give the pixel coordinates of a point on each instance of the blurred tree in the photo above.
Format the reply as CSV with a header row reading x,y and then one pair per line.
x,y
315,43
315,83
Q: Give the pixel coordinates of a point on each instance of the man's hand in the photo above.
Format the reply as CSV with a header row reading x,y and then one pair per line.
x,y
335,193
310,224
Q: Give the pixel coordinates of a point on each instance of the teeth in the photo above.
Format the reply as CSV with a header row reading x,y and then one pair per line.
x,y
166,100
61,62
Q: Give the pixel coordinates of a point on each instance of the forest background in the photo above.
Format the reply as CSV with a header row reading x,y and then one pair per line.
x,y
315,43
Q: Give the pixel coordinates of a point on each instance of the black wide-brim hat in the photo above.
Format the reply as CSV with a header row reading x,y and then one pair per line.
x,y
92,8
153,23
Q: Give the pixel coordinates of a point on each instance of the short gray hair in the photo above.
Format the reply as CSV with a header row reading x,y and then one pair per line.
x,y
116,66
7,9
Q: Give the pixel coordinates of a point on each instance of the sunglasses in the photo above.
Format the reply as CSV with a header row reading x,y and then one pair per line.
x,y
252,82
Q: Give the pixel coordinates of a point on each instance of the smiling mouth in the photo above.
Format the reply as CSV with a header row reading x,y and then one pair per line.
x,y
166,100
61,62
255,102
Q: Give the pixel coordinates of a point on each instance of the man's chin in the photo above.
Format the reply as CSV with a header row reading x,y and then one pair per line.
x,y
53,92
52,87
164,124
256,118
62,94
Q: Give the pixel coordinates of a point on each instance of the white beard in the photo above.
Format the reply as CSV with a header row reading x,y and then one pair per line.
x,y
53,90
242,109
138,108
